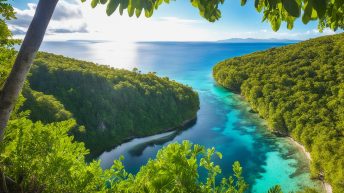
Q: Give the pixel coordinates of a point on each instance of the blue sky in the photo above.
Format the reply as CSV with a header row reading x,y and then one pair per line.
x,y
177,21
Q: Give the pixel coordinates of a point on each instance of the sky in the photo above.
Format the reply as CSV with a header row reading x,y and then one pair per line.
x,y
177,21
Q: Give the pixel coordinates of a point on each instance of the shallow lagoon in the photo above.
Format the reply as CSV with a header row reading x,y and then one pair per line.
x,y
224,120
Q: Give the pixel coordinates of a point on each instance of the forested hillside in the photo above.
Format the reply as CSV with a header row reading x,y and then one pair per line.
x,y
299,90
109,105
44,157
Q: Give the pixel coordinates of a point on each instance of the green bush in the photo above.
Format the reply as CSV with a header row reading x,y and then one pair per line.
x,y
38,157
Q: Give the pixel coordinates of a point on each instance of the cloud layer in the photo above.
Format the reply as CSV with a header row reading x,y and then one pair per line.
x,y
67,18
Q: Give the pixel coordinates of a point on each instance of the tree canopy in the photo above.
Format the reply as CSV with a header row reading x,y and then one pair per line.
x,y
329,13
113,105
299,90
7,13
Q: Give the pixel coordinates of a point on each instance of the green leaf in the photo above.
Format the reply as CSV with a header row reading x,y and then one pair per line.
x,y
138,12
292,7
320,7
276,24
314,14
148,13
273,3
290,25
219,154
131,10
306,17
94,3
243,2
258,4
111,7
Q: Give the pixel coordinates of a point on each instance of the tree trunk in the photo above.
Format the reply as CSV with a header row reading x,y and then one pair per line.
x,y
23,62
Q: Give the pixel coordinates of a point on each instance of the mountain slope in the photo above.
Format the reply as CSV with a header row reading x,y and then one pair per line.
x,y
109,105
299,90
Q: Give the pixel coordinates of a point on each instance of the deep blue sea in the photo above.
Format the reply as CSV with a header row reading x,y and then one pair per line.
x,y
224,120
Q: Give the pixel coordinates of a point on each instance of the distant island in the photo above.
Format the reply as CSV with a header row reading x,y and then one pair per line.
x,y
253,40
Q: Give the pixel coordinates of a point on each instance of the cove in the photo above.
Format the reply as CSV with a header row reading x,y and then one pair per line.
x,y
224,120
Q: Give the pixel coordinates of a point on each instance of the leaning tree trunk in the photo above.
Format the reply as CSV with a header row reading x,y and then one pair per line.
x,y
23,62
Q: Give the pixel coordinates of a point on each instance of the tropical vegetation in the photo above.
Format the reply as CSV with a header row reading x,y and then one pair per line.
x,y
299,90
109,105
6,13
38,150
37,157
43,155
329,13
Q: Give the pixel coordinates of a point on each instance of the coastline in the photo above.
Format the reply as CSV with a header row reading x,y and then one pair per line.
x,y
326,186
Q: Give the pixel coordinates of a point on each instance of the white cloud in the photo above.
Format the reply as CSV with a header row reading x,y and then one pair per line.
x,y
67,11
328,31
24,18
67,18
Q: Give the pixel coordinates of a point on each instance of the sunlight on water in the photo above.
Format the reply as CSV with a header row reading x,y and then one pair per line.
x,y
115,54
224,120
123,55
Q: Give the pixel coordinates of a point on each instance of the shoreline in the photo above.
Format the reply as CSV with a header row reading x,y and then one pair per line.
x,y
183,126
326,186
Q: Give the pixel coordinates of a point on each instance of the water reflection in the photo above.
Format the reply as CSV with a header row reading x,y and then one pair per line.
x,y
138,149
134,147
115,54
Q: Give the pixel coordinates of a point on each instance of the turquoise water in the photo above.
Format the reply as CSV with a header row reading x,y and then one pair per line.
x,y
224,120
